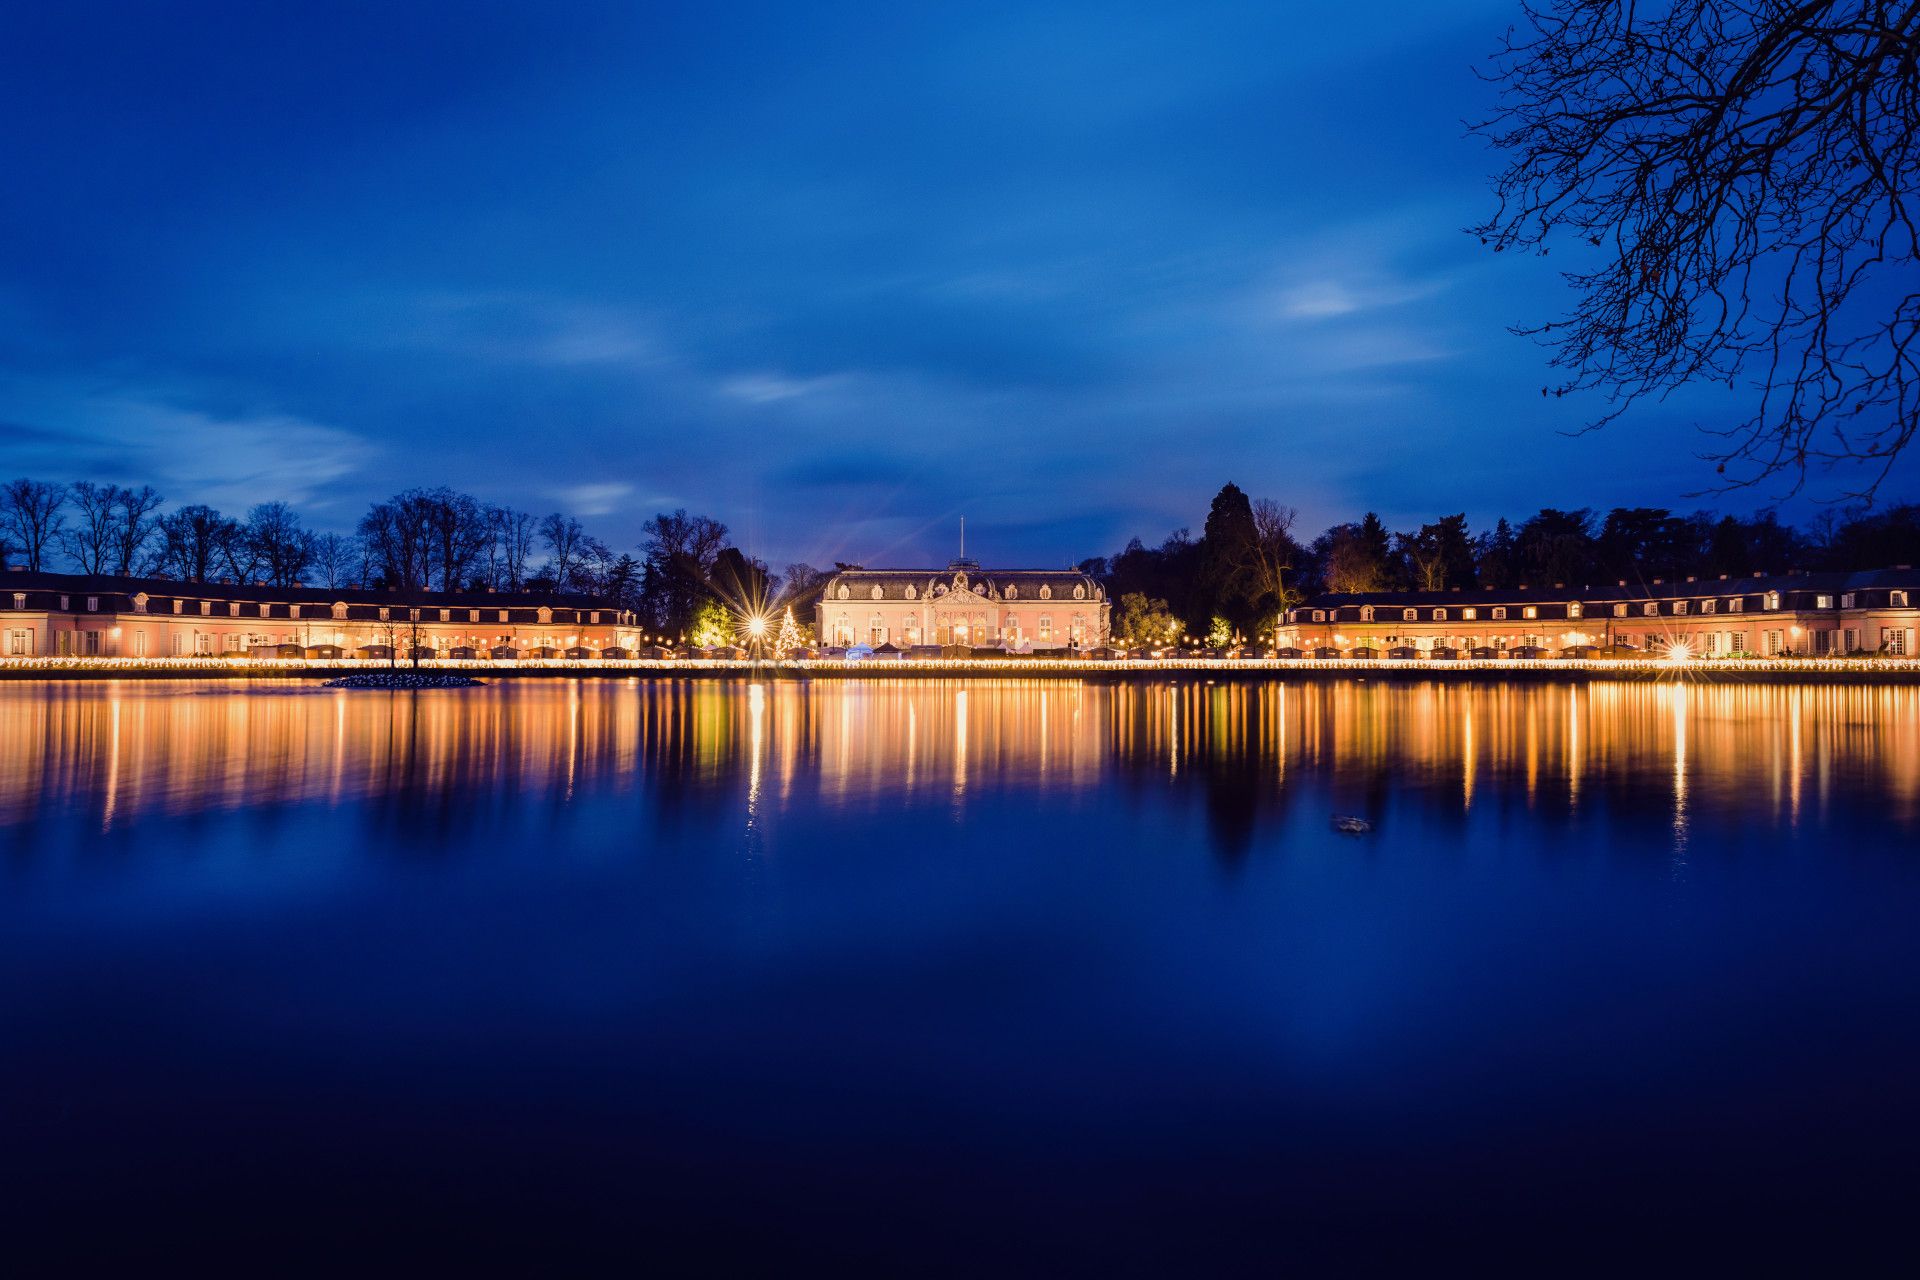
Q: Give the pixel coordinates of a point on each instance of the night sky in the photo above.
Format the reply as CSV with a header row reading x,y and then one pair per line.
x,y
835,274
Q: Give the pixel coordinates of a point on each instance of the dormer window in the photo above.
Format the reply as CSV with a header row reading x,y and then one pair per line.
x,y
206,608
1046,592
914,595
20,600
1319,615
1619,611
1439,615
1499,612
845,593
1409,615
1651,609
93,604
1773,600
1737,605
1897,599
1531,611
1707,606
1846,600
1679,606
1013,593
339,610
1366,613
233,608
876,593
1469,614
1079,591
1574,609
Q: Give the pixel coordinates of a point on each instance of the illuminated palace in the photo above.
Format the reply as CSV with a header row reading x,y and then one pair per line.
x,y
55,614
1817,614
1018,610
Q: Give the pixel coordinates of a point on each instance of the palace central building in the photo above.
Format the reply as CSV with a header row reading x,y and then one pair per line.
x,y
1018,610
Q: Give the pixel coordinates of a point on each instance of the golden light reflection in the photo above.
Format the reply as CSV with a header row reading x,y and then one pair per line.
x,y
124,751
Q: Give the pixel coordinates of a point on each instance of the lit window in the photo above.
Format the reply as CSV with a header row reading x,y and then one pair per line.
x,y
1706,606
1823,602
1469,614
1897,599
1319,615
266,611
503,615
1846,600
1366,613
1499,612
20,600
1409,615
1737,605
233,608
1650,608
1439,615
1046,626
1013,592
1619,611
446,615
1894,640
1679,606
1573,610
1530,611
206,608
473,615
1773,600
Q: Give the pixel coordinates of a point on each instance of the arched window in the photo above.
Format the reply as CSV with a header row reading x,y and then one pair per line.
x,y
876,593
1079,591
1013,592
843,631
1573,610
1773,599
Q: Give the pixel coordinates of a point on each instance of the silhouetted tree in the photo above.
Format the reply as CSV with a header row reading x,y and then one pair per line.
x,y
1737,182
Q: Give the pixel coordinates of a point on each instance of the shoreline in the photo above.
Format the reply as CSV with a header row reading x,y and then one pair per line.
x,y
1868,671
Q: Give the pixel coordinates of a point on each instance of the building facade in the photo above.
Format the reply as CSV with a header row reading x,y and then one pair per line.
x,y
1817,615
1015,610
73,615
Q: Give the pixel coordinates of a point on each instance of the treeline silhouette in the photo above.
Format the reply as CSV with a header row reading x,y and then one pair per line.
x,y
685,571
1247,565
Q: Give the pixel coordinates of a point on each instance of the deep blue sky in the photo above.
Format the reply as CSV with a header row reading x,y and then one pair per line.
x,y
835,274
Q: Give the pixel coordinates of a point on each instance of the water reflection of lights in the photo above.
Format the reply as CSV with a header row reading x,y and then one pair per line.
x,y
136,749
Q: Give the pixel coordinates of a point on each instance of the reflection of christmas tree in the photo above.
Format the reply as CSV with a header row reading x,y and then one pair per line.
x,y
787,639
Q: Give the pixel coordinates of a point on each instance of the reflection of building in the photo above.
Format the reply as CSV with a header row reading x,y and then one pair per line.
x,y
1817,613
72,614
1014,609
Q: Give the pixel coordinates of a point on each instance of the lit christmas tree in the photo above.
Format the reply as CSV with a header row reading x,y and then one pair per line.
x,y
787,639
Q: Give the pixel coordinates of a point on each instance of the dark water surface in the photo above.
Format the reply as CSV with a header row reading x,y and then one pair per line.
x,y
983,977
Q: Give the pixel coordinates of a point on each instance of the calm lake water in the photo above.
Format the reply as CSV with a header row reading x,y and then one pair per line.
x,y
958,977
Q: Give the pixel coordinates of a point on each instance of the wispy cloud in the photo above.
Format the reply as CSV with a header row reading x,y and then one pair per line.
x,y
593,499
771,388
230,458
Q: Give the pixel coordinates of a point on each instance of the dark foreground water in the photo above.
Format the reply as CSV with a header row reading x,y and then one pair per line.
x,y
985,978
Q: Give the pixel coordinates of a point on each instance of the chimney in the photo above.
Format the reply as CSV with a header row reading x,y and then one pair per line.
x,y
1723,577
1691,578
1658,581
